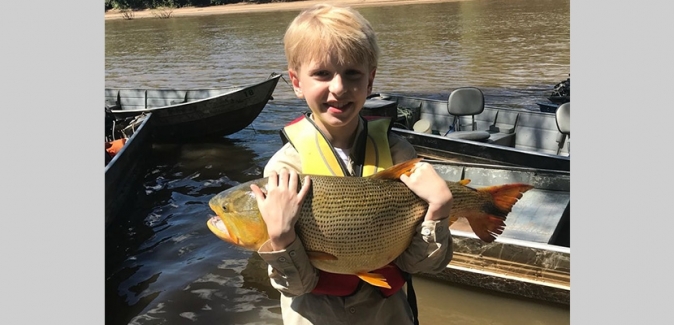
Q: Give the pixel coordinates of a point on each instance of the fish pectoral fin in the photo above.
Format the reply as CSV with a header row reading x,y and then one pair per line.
x,y
452,220
394,172
464,182
321,256
374,279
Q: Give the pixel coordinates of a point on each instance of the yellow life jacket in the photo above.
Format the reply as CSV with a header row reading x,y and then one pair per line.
x,y
372,153
319,158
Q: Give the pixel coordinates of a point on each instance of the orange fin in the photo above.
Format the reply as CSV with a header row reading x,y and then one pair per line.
x,y
490,223
374,279
505,196
464,182
394,172
487,227
321,256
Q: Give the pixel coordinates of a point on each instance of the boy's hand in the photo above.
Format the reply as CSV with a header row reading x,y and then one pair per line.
x,y
280,205
425,182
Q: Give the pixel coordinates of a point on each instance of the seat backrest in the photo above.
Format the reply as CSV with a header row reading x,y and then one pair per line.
x,y
465,101
563,117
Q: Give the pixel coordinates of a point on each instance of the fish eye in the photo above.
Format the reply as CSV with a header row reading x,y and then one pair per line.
x,y
224,207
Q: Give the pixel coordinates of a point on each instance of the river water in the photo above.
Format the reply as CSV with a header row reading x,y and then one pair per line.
x,y
163,266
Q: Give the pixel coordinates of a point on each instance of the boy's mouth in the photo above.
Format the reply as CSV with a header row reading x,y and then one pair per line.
x,y
338,107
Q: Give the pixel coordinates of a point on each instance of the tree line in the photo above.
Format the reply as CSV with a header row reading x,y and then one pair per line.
x,y
152,4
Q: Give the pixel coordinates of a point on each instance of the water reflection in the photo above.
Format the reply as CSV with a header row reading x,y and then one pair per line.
x,y
516,46
161,260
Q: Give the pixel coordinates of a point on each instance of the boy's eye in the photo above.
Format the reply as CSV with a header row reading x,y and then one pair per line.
x,y
350,74
353,73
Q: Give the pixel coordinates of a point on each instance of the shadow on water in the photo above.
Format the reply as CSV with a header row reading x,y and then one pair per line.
x,y
162,262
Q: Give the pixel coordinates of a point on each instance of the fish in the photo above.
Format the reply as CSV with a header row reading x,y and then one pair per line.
x,y
354,225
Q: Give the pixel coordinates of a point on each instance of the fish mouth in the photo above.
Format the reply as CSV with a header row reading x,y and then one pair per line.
x,y
217,227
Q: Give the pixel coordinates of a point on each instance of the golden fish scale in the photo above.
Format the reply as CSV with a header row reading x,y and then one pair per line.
x,y
364,222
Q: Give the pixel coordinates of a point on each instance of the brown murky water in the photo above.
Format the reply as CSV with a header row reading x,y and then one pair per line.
x,y
163,266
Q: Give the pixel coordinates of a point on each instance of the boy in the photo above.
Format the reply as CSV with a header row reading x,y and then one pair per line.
x,y
332,58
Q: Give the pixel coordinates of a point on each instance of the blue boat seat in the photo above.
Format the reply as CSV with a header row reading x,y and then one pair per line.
x,y
466,101
563,118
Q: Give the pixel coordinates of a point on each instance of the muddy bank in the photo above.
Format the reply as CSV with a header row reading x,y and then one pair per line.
x,y
245,7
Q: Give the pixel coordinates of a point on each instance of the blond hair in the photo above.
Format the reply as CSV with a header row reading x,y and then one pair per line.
x,y
324,28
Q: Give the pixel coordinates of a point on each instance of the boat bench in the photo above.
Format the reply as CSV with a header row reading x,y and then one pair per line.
x,y
502,131
536,131
539,132
500,124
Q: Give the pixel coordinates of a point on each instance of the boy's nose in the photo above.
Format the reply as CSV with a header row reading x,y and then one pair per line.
x,y
336,85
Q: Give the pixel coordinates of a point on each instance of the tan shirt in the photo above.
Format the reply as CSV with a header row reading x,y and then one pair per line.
x,y
293,275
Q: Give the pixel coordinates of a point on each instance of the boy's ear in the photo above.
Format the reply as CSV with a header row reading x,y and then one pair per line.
x,y
370,81
295,81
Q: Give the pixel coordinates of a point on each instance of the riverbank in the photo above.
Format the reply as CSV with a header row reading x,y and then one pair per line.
x,y
246,7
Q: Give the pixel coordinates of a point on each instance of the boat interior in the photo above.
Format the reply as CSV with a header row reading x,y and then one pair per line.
x,y
541,215
465,116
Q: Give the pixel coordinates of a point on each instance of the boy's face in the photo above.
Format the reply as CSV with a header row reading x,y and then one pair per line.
x,y
334,92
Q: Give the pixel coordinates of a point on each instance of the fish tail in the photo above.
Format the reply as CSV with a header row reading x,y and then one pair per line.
x,y
490,222
505,196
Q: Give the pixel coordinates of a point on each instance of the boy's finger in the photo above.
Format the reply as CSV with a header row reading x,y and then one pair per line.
x,y
305,188
272,180
259,195
294,179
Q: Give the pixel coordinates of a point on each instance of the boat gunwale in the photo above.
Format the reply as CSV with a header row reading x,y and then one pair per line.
x,y
130,140
229,90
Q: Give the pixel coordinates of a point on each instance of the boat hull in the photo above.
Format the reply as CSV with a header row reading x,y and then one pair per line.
x,y
531,258
126,169
194,113
535,271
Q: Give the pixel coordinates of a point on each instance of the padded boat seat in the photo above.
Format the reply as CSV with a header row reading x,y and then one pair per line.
x,y
563,119
466,101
